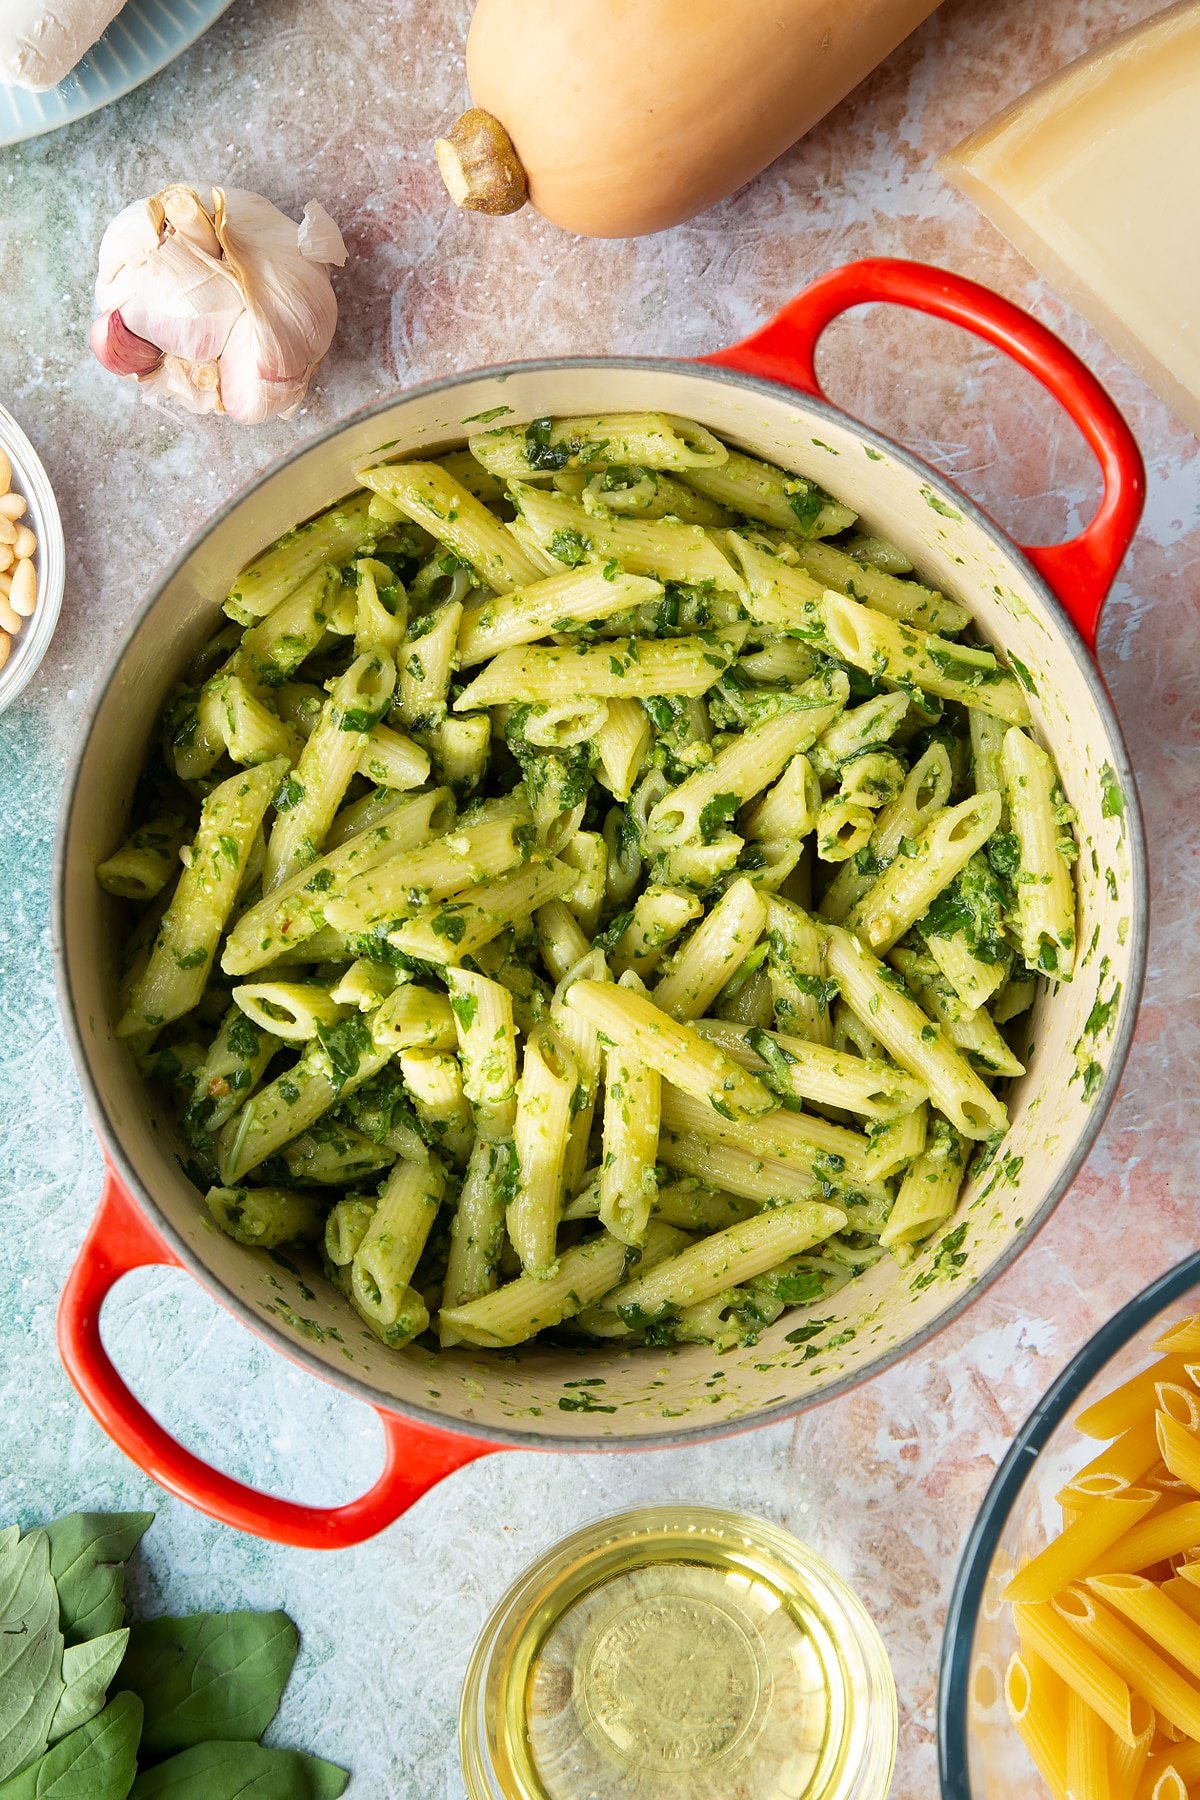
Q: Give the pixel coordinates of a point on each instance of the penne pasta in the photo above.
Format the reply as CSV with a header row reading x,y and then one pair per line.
x,y
1135,1662
1159,1620
679,1054
759,490
622,740
722,1260
717,947
522,1308
1126,1405
428,494
1073,1659
805,1071
889,651
521,730
540,1133
749,764
1046,897
628,1181
1087,1750
621,668
331,537
1037,1702
665,548
646,440
1069,1557
914,879
178,966
310,795
918,1045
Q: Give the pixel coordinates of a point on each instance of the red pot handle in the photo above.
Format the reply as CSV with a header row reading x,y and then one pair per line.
x,y
119,1240
1080,571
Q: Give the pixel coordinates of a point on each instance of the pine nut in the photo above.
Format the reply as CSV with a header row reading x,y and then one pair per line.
x,y
5,584
25,543
8,532
7,559
5,473
9,620
11,506
5,647
23,593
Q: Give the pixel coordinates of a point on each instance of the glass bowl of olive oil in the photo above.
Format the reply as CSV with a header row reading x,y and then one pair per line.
x,y
679,1653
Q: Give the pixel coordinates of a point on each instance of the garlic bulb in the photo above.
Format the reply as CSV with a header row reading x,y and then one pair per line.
x,y
224,308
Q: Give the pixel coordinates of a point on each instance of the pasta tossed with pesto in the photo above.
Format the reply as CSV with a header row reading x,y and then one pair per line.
x,y
586,886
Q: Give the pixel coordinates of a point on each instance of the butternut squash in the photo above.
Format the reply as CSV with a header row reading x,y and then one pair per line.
x,y
627,116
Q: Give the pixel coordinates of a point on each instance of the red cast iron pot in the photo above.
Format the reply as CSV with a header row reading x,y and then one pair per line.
x,y
1040,604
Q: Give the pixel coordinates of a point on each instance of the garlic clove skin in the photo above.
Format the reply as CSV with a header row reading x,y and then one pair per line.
x,y
292,309
167,287
128,242
185,214
182,300
194,386
122,351
318,238
250,394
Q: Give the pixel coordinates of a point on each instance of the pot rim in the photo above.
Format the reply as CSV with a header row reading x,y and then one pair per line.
x,y
526,1439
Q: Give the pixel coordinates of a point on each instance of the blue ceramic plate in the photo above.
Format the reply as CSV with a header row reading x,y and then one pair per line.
x,y
143,38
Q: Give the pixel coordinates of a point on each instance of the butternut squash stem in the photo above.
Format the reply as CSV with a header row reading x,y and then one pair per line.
x,y
479,165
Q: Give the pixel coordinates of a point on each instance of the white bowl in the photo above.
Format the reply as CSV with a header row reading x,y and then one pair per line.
x,y
30,480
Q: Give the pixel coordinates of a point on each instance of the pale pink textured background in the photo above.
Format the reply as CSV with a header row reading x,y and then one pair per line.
x,y
339,100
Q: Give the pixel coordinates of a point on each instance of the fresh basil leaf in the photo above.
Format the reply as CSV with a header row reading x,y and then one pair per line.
x,y
217,1675
225,1771
87,1670
96,1762
88,1552
31,1650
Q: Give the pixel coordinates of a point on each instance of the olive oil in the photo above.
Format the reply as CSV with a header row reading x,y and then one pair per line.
x,y
679,1654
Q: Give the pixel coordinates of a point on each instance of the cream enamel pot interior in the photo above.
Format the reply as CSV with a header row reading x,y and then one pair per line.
x,y
441,1411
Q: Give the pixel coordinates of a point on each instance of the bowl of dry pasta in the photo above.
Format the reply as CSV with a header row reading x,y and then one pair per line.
x,y
600,902
1071,1660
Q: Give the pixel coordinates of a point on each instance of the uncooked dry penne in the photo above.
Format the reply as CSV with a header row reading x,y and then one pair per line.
x,y
1101,1603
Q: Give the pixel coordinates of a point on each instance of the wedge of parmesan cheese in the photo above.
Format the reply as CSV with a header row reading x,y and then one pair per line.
x,y
1095,176
42,40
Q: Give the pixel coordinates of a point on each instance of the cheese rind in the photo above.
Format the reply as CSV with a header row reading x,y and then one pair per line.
x,y
42,40
1094,176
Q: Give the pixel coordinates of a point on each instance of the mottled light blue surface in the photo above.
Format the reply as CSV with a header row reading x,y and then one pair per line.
x,y
334,100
